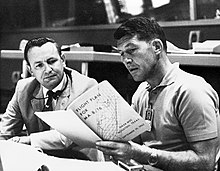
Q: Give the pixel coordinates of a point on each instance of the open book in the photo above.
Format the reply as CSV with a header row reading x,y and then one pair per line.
x,y
100,113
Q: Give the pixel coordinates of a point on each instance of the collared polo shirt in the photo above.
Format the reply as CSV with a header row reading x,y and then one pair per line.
x,y
186,109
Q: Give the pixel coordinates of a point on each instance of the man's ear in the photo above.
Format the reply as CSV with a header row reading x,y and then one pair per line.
x,y
157,45
29,70
63,58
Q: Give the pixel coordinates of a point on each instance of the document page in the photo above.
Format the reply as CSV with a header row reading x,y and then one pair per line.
x,y
105,111
99,113
21,157
70,125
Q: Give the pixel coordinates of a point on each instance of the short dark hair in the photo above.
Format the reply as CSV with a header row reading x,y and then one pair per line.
x,y
145,29
39,42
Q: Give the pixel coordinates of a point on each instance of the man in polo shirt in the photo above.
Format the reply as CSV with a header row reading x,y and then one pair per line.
x,y
183,109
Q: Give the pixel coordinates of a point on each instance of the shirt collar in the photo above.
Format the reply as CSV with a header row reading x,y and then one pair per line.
x,y
170,76
59,87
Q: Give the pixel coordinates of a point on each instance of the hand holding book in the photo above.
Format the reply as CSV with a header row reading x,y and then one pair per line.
x,y
99,113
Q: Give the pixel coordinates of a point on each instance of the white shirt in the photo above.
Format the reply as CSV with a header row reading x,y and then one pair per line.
x,y
59,87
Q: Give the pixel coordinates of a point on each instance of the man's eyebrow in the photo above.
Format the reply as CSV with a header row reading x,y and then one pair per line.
x,y
37,62
127,45
130,44
51,58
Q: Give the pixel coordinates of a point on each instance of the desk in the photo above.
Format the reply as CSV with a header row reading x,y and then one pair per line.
x,y
211,60
205,65
70,55
83,56
88,56
208,60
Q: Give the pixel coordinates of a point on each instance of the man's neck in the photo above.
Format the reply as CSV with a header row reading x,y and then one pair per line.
x,y
58,87
61,84
160,71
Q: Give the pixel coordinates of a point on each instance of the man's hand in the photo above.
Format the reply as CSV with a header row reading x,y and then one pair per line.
x,y
123,151
23,140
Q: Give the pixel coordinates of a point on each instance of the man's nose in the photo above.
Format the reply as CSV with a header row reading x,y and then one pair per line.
x,y
47,67
128,60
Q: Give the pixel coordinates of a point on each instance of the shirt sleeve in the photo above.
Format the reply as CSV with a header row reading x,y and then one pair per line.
x,y
50,140
12,122
197,110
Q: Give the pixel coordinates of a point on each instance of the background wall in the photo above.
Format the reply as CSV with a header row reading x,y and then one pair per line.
x,y
101,36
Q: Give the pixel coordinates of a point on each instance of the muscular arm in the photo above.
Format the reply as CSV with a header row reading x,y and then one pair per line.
x,y
201,157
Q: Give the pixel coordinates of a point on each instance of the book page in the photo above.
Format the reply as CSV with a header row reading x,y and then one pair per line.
x,y
71,126
21,157
105,111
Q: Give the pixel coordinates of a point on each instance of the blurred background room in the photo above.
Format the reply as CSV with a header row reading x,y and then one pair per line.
x,y
91,23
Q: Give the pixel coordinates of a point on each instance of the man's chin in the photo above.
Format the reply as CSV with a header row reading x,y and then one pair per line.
x,y
137,79
51,84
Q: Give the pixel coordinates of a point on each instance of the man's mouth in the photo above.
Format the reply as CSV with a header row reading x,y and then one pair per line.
x,y
49,77
133,69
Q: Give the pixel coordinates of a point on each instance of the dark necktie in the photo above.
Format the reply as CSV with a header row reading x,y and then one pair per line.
x,y
50,96
49,104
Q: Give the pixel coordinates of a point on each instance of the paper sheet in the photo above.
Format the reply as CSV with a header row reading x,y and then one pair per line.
x,y
20,157
70,125
107,113
99,113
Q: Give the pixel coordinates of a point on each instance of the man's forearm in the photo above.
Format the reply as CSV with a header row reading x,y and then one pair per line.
x,y
175,161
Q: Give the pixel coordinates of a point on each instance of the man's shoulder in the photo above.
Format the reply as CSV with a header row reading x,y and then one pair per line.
x,y
193,85
191,81
78,77
26,83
